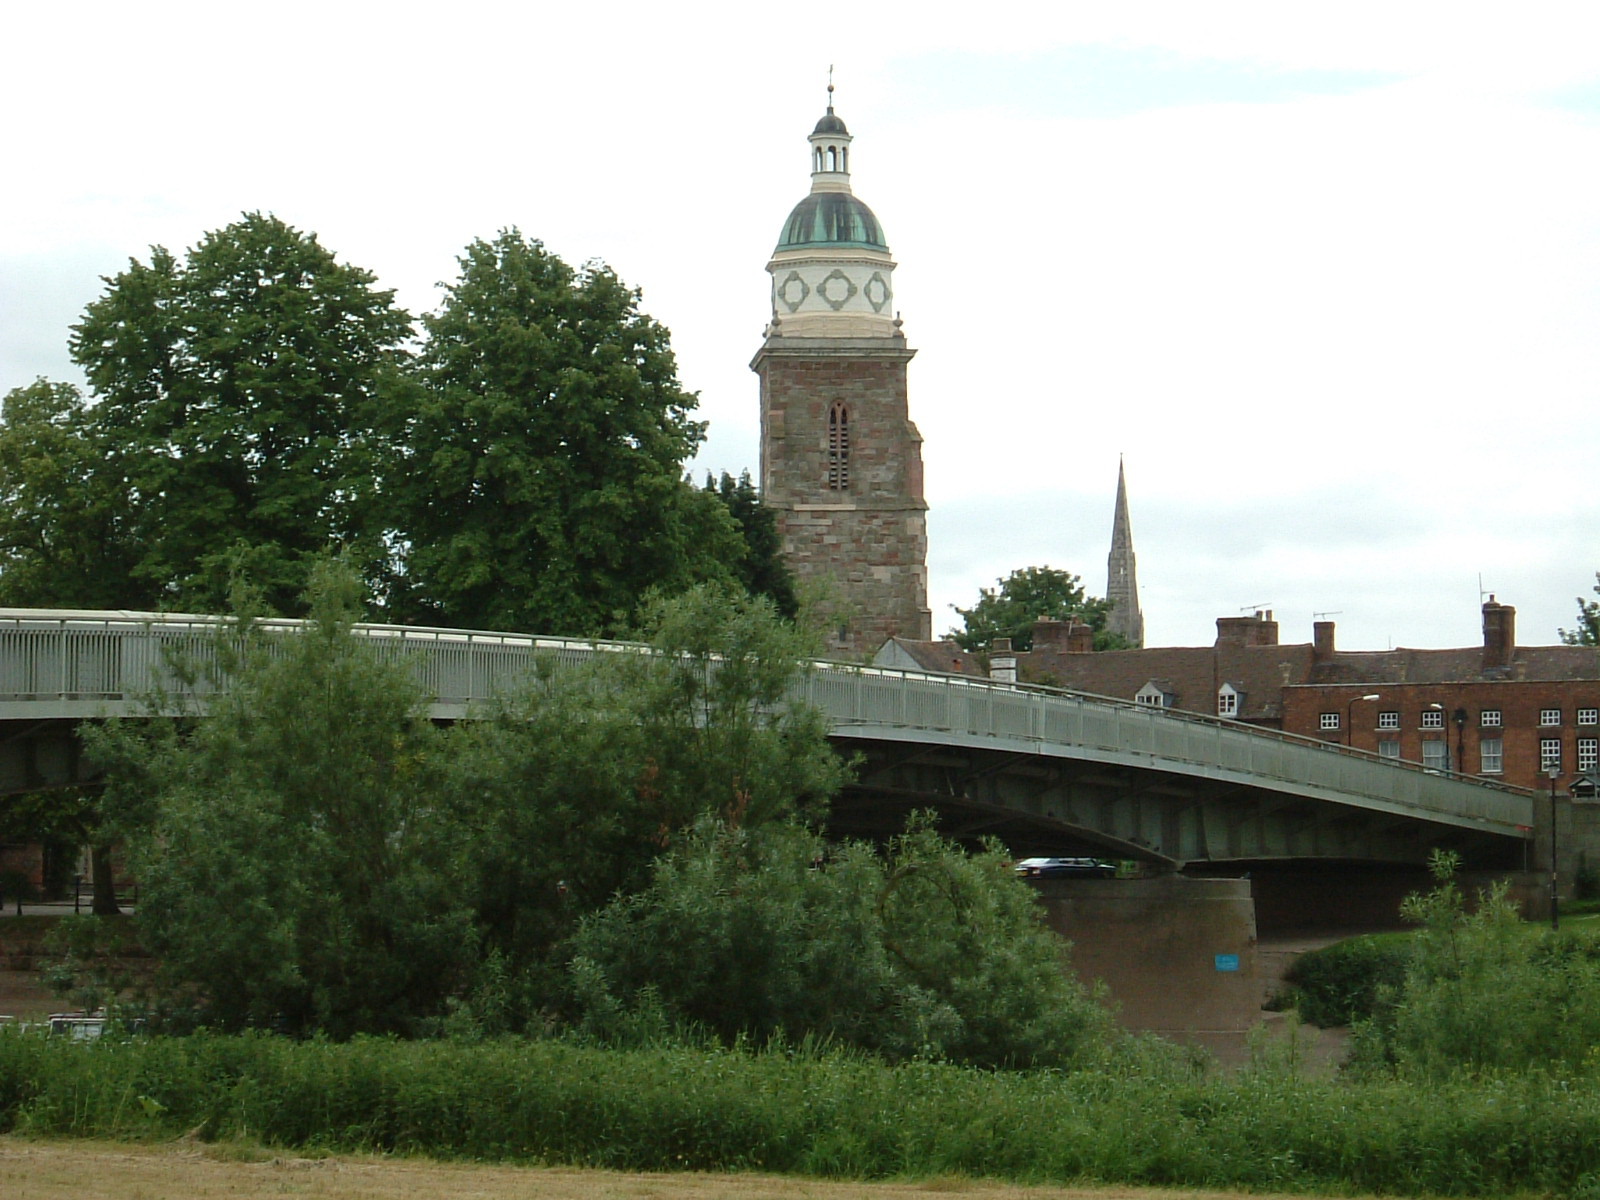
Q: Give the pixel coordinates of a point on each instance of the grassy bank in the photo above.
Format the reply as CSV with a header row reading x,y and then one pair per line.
x,y
1150,1121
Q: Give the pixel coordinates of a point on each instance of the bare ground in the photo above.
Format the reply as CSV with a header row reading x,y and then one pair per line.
x,y
106,1171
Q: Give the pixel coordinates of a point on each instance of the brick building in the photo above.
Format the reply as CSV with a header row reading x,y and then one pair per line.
x,y
1499,710
841,461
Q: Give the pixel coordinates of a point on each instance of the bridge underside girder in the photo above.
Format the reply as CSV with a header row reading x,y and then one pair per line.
x,y
1032,802
36,755
1038,805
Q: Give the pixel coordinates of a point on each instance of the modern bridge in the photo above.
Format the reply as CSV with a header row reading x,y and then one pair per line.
x,y
1046,771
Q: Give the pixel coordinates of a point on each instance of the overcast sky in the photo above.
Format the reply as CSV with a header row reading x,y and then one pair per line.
x,y
1327,276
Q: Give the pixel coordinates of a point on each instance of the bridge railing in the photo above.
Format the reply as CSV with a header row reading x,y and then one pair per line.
x,y
86,663
1123,731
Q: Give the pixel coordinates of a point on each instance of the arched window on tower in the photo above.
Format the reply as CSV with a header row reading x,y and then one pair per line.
x,y
818,160
838,448
833,158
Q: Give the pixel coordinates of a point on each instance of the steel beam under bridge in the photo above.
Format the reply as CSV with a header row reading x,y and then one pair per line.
x,y
1041,768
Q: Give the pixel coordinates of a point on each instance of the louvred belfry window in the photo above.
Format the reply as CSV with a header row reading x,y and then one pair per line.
x,y
838,448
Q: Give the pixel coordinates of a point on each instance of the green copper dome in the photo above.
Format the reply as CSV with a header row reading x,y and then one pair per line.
x,y
825,219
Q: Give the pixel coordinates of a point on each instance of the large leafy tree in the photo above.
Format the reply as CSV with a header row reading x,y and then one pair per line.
x,y
1025,596
1588,631
236,390
539,484
64,520
299,853
583,776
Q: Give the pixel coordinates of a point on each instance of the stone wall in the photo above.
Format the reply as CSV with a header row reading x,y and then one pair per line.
x,y
864,541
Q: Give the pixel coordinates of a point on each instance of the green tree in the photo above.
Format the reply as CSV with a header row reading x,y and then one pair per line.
x,y
761,568
1485,994
301,858
581,778
1025,596
539,481
64,536
1588,631
236,394
924,950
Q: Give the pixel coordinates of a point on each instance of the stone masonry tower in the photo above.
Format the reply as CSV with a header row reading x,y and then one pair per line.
x,y
841,462
1122,581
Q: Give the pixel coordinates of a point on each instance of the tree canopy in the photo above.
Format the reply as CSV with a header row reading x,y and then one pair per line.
x,y
255,403
760,568
539,462
1588,631
236,391
299,860
1022,598
65,537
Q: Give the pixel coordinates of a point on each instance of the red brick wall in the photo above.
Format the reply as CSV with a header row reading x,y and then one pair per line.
x,y
1519,704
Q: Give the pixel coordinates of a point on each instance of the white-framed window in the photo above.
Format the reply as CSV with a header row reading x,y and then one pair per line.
x,y
1589,716
1389,748
1328,721
1436,754
1588,754
1389,720
1433,718
1549,753
1489,718
1227,701
1549,716
1491,756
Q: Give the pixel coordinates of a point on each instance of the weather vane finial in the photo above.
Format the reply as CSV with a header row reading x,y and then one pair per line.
x,y
830,87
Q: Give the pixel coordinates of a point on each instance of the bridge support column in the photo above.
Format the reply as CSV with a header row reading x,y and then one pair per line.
x,y
1178,955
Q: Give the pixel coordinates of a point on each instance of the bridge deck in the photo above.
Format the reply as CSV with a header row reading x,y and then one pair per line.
x,y
68,666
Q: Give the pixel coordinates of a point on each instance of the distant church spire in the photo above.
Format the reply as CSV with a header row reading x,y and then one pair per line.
x,y
1122,580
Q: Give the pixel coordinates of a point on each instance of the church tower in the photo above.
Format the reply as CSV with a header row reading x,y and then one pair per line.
x,y
841,462
1122,581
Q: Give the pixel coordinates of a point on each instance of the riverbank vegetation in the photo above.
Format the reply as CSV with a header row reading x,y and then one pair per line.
x,y
1146,1117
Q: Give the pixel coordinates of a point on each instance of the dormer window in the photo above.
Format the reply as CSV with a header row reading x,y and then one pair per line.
x,y
1153,695
1227,701
838,448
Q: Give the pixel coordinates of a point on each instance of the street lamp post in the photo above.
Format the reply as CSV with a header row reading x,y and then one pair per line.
x,y
1350,716
1555,904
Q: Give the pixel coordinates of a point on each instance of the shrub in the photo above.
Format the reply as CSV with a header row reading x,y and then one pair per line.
x,y
924,951
1484,993
1343,983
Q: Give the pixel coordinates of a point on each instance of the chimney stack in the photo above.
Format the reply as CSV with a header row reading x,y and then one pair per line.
x,y
1080,638
1322,641
1499,634
1002,662
1048,633
1259,630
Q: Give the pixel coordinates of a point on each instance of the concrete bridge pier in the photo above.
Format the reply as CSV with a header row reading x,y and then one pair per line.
x,y
1177,955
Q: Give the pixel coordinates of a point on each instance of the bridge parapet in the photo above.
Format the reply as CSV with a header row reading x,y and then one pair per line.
x,y
72,665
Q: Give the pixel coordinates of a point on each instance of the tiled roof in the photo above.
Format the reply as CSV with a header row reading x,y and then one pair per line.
x,y
1190,674
906,654
1528,663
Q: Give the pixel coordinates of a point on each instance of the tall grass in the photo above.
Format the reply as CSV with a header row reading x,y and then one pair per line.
x,y
1149,1120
